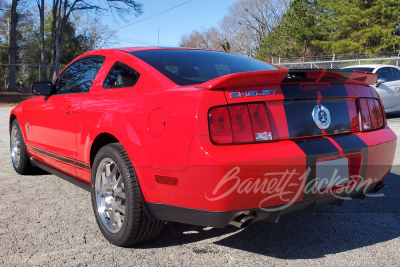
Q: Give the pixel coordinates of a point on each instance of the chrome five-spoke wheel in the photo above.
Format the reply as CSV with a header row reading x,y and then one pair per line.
x,y
15,145
110,195
117,201
19,155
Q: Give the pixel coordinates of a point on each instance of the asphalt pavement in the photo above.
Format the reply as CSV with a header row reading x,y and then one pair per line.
x,y
47,221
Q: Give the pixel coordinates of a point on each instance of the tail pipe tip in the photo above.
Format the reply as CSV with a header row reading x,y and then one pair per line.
x,y
244,219
378,187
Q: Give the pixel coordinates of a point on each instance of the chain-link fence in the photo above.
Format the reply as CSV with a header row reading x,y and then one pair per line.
x,y
338,64
337,61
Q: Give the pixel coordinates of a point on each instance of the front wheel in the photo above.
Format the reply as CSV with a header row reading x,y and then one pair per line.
x,y
116,199
19,155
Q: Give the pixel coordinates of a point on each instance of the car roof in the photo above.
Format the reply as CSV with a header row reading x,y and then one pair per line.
x,y
105,51
146,48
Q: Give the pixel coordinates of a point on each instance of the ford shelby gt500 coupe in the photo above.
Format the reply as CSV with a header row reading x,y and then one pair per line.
x,y
202,137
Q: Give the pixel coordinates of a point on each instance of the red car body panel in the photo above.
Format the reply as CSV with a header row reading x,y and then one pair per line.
x,y
165,130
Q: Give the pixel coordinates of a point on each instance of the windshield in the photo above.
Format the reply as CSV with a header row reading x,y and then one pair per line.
x,y
361,69
185,67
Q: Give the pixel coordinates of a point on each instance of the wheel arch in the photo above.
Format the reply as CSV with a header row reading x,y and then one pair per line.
x,y
104,139
100,141
13,117
17,114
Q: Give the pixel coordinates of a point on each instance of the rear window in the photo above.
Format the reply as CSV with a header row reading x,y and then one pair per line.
x,y
186,67
361,69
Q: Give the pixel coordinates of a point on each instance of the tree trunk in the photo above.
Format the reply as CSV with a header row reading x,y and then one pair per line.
x,y
54,36
12,52
61,12
41,41
62,23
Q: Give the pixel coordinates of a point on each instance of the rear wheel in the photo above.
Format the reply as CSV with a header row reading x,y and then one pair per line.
x,y
116,199
19,155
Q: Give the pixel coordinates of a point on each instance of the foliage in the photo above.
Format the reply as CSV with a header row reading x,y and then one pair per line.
x,y
361,26
294,36
317,27
242,29
82,33
52,33
208,39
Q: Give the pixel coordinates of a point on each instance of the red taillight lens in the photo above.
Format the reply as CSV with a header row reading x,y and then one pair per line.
x,y
242,123
371,115
220,125
372,112
376,113
260,122
365,115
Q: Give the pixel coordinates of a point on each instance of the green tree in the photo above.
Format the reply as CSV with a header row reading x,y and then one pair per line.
x,y
315,27
295,36
360,26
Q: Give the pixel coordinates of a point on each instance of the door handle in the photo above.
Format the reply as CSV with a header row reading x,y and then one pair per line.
x,y
69,110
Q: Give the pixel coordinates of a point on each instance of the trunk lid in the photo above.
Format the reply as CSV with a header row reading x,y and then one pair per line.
x,y
291,96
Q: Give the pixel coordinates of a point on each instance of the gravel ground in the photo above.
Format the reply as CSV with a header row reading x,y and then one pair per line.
x,y
47,221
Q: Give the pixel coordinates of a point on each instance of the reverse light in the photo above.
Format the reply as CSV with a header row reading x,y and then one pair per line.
x,y
260,122
238,124
371,114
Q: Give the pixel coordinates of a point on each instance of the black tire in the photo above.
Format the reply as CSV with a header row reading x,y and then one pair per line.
x,y
23,166
136,226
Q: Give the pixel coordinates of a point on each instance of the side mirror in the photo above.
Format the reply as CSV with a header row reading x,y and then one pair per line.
x,y
380,81
41,88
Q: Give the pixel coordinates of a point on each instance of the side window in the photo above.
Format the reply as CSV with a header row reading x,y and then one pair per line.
x,y
78,77
121,76
396,73
386,73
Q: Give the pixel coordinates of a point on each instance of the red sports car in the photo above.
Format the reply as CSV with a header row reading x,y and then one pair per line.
x,y
202,137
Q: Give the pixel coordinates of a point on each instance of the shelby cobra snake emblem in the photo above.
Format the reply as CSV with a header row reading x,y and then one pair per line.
x,y
321,117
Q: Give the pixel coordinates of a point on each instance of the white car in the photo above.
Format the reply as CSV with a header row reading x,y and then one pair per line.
x,y
387,85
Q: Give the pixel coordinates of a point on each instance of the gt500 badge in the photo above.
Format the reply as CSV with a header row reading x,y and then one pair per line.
x,y
252,93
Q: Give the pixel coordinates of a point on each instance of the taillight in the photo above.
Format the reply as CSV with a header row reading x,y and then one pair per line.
x,y
220,125
371,114
237,124
241,124
260,122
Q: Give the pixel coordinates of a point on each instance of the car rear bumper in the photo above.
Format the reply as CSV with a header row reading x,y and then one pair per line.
x,y
220,219
225,180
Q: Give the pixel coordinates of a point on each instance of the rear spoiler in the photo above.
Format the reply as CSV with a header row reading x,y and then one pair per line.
x,y
264,77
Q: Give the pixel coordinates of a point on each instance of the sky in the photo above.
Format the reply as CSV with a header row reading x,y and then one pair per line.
x,y
171,25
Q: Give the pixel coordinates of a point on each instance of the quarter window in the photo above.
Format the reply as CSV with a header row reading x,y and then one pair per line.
x,y
121,76
386,73
78,77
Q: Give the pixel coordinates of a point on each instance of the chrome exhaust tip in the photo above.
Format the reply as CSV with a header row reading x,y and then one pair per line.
x,y
378,187
244,219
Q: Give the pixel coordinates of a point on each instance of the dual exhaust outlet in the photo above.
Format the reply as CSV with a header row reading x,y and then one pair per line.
x,y
243,219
